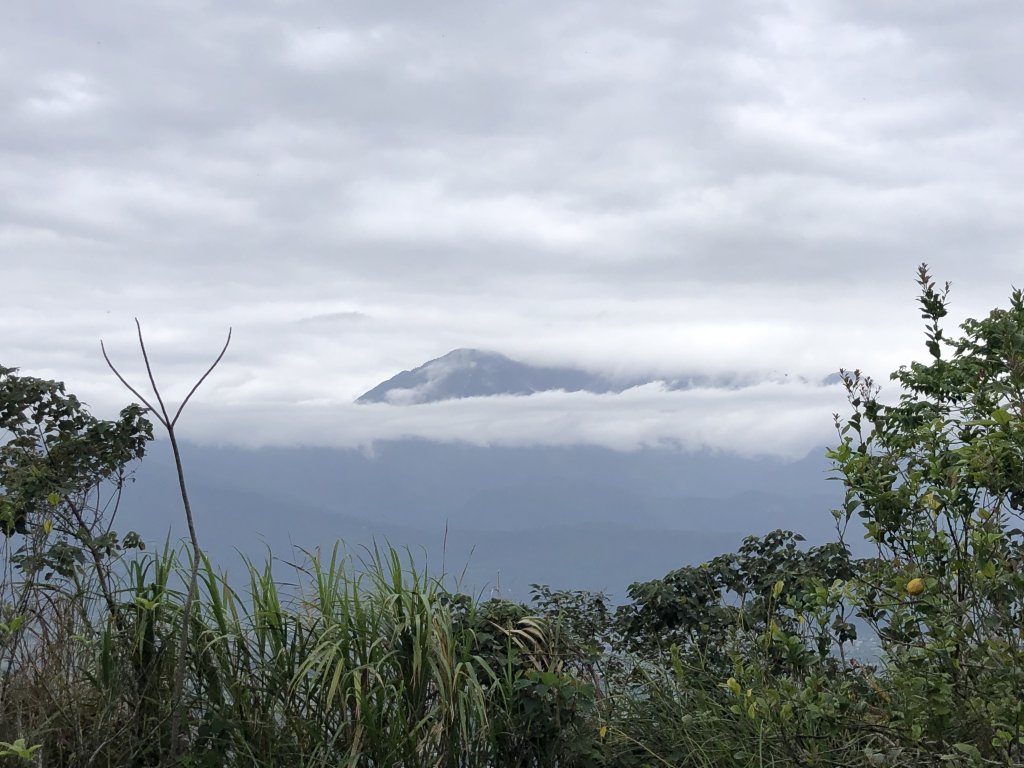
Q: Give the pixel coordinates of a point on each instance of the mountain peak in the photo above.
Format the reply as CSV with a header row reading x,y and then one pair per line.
x,y
469,356
467,372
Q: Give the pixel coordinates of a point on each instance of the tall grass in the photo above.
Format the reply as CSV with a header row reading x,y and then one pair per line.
x,y
363,662
371,663
388,678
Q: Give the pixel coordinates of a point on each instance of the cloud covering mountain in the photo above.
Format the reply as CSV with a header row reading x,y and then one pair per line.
x,y
475,373
466,373
633,189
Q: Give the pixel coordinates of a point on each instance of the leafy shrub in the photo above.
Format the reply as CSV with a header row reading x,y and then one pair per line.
x,y
938,480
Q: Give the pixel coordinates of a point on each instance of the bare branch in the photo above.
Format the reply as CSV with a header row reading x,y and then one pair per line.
x,y
129,387
149,372
201,379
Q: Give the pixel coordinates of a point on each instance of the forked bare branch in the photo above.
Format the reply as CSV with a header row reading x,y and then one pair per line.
x,y
202,378
149,372
164,418
129,387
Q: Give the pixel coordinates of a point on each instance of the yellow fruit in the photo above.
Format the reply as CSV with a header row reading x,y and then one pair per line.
x,y
915,586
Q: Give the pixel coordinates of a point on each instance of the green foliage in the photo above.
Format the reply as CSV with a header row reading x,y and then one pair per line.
x,y
938,480
769,584
18,749
543,694
60,468
61,472
55,452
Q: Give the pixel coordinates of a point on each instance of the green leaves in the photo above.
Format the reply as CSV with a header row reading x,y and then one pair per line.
x,y
937,479
760,589
19,749
57,459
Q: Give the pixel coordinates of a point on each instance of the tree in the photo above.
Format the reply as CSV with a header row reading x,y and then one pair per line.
x,y
698,609
937,479
61,475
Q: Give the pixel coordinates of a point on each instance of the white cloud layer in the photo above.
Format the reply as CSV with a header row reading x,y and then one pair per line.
x,y
770,419
666,187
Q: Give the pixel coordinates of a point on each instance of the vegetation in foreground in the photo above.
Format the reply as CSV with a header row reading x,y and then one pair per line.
x,y
115,656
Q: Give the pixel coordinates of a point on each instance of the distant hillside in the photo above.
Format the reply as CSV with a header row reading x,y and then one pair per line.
x,y
578,516
477,373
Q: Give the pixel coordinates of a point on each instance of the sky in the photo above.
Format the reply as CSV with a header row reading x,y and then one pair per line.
x,y
356,188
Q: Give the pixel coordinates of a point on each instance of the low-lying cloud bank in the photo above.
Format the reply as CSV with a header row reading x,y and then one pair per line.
x,y
773,418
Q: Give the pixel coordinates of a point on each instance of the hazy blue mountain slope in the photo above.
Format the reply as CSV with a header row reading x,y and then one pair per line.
x,y
575,517
419,470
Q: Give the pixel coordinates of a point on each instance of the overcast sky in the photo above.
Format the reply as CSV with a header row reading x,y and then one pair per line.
x,y
359,187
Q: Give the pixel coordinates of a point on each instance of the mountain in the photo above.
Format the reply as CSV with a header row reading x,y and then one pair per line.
x,y
575,516
572,516
477,373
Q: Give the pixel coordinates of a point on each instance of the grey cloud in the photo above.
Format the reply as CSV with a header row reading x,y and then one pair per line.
x,y
771,419
741,188
333,319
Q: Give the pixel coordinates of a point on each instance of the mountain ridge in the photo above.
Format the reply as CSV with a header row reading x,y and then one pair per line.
x,y
468,372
